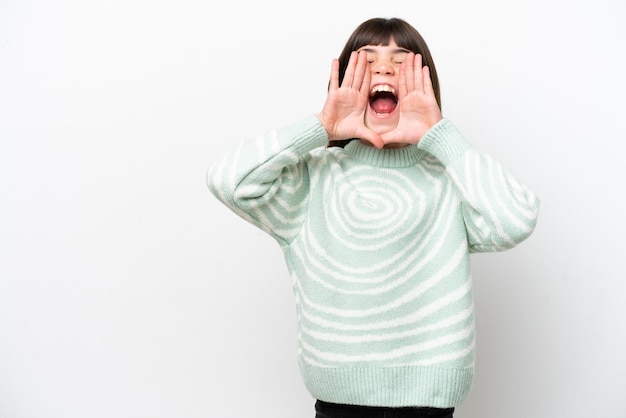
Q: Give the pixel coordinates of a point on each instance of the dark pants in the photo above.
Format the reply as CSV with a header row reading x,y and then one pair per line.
x,y
333,410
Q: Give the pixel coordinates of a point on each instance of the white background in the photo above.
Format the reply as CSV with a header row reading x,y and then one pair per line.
x,y
127,290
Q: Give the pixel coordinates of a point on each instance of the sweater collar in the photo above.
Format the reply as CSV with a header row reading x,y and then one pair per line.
x,y
386,157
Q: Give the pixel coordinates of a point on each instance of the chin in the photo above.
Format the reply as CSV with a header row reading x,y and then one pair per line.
x,y
381,125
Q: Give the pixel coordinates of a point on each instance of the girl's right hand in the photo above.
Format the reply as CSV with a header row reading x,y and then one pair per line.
x,y
343,115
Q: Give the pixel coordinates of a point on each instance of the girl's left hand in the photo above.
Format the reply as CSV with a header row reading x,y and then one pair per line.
x,y
417,103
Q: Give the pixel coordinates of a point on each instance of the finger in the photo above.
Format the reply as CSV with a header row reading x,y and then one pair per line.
x,y
367,77
409,69
402,87
334,75
349,75
360,70
428,82
418,76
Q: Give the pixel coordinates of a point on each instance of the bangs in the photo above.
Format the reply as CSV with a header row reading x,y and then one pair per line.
x,y
374,36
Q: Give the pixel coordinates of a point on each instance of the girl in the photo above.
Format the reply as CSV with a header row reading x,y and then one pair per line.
x,y
377,202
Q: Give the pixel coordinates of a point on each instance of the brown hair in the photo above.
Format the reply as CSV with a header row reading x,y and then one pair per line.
x,y
378,31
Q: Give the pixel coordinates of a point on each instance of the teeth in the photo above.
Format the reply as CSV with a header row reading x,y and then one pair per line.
x,y
382,87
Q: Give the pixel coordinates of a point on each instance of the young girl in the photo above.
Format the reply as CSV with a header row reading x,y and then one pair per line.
x,y
377,202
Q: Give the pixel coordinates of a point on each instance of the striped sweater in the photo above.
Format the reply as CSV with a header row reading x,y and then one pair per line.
x,y
377,243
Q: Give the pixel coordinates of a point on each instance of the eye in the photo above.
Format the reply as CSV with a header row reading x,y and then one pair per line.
x,y
399,58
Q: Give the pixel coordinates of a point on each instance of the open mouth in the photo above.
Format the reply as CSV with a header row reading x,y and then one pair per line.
x,y
383,99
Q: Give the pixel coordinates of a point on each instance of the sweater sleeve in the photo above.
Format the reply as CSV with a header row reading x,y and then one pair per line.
x,y
265,181
498,210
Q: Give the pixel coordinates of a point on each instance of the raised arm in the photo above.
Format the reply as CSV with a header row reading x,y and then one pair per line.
x,y
265,180
499,211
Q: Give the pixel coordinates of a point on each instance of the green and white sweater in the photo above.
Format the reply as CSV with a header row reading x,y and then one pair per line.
x,y
377,243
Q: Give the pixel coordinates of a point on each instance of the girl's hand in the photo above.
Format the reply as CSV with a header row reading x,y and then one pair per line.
x,y
419,110
343,115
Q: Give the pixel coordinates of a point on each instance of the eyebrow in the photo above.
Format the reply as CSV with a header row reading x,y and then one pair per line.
x,y
395,51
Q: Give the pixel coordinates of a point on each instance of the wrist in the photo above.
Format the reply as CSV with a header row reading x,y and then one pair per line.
x,y
326,126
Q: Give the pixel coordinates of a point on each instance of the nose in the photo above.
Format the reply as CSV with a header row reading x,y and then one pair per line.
x,y
383,68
